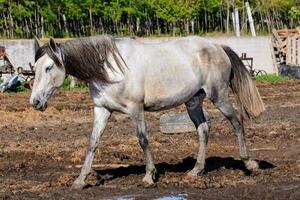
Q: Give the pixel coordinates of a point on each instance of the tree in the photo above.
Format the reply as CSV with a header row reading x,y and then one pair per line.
x,y
75,18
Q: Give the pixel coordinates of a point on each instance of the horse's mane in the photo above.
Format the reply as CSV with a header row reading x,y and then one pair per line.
x,y
86,58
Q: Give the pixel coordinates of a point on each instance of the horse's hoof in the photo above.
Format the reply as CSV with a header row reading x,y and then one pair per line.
x,y
195,172
251,165
78,186
148,182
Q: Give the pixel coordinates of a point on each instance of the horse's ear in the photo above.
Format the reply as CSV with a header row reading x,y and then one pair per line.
x,y
38,43
53,45
56,52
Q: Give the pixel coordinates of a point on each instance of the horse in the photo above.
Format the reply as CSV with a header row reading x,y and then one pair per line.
x,y
133,77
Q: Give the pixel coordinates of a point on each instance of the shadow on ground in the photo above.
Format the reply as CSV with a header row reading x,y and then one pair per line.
x,y
212,164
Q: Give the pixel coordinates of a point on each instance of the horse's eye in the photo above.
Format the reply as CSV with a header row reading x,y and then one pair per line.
x,y
48,68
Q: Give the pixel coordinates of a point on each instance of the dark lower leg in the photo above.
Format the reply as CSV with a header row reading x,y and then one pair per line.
x,y
196,114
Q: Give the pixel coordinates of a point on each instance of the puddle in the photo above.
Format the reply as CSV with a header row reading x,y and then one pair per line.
x,y
173,197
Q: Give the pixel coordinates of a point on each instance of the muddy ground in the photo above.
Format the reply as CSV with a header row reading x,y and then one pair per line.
x,y
41,152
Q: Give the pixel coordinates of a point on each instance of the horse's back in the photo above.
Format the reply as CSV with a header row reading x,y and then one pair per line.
x,y
169,73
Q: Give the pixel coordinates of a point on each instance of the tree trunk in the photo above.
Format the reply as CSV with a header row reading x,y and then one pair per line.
x,y
227,17
205,20
137,25
187,26
193,26
91,20
65,24
6,28
11,21
158,27
174,29
250,19
42,27
237,22
27,28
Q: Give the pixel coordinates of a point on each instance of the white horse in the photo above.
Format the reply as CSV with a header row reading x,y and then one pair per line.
x,y
132,77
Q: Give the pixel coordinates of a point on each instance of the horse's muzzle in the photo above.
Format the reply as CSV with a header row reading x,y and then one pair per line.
x,y
38,105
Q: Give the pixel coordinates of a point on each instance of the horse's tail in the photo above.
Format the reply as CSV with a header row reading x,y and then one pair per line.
x,y
242,85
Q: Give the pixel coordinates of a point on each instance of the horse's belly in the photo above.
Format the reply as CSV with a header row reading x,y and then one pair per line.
x,y
161,95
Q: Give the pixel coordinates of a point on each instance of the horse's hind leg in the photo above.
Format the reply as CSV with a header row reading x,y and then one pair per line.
x,y
194,108
221,101
139,122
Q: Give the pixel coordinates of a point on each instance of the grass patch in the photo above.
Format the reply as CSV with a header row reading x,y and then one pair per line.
x,y
66,84
22,87
82,87
271,78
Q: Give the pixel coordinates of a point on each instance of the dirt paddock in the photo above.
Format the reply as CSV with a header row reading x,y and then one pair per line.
x,y
41,152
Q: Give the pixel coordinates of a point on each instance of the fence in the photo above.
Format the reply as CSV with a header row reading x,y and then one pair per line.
x,y
286,44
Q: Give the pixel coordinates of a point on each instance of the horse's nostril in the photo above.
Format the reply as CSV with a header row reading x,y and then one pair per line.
x,y
36,102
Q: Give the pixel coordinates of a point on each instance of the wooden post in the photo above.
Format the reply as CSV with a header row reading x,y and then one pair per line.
x,y
251,23
289,50
298,51
237,22
294,49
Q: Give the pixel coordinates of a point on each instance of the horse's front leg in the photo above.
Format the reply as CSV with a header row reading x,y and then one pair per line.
x,y
101,116
139,121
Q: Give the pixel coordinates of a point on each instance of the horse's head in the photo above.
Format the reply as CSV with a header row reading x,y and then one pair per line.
x,y
49,73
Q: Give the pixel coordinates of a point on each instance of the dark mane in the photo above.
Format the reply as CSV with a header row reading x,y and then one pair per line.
x,y
85,58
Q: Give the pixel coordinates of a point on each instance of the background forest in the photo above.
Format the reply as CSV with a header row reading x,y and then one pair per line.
x,y
74,18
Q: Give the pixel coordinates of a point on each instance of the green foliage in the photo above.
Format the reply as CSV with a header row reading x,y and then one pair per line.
x,y
78,87
22,87
174,10
271,78
48,14
66,84
23,18
294,12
